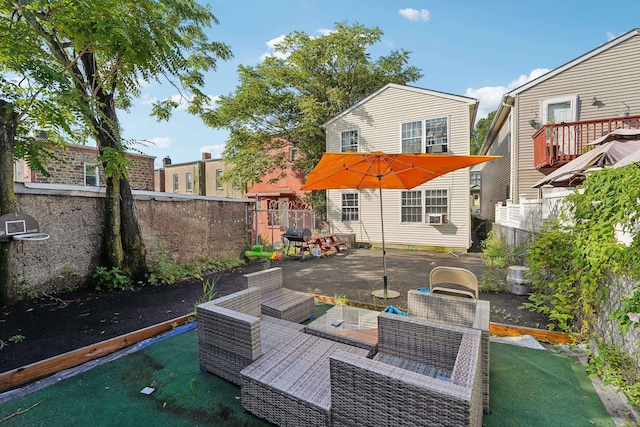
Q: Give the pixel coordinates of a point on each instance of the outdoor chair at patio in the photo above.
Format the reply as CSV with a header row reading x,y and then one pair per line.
x,y
278,301
465,283
232,333
426,373
470,313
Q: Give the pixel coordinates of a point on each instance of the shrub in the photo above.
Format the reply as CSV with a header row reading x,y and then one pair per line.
x,y
111,279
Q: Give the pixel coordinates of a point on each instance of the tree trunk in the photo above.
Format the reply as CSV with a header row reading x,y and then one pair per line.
x,y
135,261
8,201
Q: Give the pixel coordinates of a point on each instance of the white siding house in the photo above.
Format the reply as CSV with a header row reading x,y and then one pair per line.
x,y
398,119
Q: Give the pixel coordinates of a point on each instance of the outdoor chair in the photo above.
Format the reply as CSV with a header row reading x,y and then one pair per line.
x,y
465,282
425,373
470,313
232,333
277,301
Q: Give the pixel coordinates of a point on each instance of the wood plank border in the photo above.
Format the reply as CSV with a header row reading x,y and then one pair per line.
x,y
44,368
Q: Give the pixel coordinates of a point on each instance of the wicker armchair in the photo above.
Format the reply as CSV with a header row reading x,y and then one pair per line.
x,y
278,301
470,313
426,373
232,333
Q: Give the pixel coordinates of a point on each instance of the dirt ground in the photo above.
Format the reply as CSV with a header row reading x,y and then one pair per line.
x,y
37,329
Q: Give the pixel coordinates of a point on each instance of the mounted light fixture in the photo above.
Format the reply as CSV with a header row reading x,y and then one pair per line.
x,y
594,102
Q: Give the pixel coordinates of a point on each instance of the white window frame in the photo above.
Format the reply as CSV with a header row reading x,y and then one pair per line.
x,y
219,184
189,181
437,208
92,166
176,182
348,136
571,99
438,141
412,212
352,213
404,136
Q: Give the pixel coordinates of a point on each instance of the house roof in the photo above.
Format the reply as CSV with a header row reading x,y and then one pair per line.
x,y
508,98
473,103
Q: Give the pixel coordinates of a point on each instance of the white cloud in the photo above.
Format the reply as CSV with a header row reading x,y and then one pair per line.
x,y
215,150
161,142
271,45
324,31
415,14
490,96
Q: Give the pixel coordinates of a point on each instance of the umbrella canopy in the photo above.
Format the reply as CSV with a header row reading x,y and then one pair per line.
x,y
617,134
380,170
605,155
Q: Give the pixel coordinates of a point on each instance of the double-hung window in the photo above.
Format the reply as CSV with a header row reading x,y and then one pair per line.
x,y
91,177
436,202
189,181
349,141
176,182
350,207
437,135
219,184
411,206
411,137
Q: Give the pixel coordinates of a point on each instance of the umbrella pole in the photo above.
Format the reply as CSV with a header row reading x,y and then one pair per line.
x,y
384,252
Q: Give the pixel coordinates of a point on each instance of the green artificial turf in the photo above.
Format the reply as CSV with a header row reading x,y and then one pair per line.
x,y
528,388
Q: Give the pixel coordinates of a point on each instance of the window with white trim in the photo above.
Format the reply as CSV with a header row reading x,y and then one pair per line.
x,y
349,141
560,109
437,202
176,181
411,137
350,207
219,184
436,135
189,181
411,206
91,177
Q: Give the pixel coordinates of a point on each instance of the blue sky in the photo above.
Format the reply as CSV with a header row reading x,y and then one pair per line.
x,y
475,48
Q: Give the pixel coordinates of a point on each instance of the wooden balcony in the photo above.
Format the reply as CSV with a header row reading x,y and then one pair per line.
x,y
559,143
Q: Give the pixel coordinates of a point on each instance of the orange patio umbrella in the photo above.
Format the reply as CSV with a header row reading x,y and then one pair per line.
x,y
380,170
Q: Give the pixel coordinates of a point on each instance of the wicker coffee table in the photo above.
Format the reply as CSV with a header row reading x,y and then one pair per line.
x,y
349,325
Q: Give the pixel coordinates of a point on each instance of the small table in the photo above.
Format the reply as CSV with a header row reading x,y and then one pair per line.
x,y
325,243
358,327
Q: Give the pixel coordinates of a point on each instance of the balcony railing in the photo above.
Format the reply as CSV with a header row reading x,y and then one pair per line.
x,y
559,143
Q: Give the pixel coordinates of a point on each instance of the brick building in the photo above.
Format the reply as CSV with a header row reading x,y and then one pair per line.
x,y
78,165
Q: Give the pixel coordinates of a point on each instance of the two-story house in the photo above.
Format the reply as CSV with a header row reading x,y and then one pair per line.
x,y
549,121
405,119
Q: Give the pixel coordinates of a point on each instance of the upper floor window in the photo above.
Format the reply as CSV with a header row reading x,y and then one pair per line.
x,y
411,137
350,207
91,177
437,135
560,109
293,154
476,178
349,141
176,182
219,185
411,206
189,181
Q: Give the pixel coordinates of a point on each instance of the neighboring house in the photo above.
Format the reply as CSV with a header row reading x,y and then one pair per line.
x,y
549,121
397,119
78,165
215,186
475,188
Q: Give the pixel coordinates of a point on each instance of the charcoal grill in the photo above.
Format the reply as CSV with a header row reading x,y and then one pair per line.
x,y
297,238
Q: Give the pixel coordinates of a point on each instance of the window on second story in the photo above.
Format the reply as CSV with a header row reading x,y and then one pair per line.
x,y
219,184
91,177
476,178
350,207
411,137
349,141
189,181
437,135
293,154
176,182
411,206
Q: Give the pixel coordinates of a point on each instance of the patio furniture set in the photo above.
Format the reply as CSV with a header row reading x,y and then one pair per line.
x,y
351,366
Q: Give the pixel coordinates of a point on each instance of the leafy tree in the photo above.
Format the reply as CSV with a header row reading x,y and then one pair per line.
x,y
99,54
480,132
290,95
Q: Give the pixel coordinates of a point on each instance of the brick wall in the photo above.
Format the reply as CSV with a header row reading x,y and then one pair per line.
x,y
190,227
69,168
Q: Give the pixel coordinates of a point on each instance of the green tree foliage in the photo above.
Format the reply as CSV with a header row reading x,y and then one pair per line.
x,y
98,55
290,95
480,132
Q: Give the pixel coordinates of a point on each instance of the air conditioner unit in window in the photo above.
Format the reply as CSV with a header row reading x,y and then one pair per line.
x,y
437,219
436,148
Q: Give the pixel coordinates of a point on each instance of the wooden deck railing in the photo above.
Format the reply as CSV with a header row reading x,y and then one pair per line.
x,y
559,143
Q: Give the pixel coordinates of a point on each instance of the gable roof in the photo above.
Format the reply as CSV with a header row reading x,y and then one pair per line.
x,y
508,98
472,102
